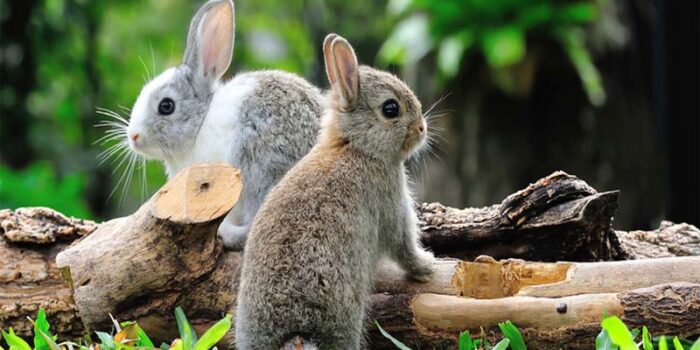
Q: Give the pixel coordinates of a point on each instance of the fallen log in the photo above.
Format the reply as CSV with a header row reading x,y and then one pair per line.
x,y
559,217
167,254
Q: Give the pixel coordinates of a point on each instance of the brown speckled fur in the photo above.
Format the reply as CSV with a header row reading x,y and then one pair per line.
x,y
310,257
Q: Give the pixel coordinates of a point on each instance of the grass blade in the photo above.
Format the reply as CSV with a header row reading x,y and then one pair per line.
x,y
396,342
15,342
677,344
663,345
603,341
511,332
501,345
41,325
619,334
465,341
144,340
187,336
214,334
646,339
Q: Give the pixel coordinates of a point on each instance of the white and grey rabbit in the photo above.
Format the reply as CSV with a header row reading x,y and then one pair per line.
x,y
261,122
313,248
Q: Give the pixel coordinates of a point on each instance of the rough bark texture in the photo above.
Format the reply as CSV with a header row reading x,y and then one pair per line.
x,y
29,278
558,217
167,254
668,240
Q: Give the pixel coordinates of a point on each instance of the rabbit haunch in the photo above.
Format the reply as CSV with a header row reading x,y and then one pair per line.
x,y
261,122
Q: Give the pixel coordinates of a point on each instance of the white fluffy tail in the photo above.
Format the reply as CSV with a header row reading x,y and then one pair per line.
x,y
297,343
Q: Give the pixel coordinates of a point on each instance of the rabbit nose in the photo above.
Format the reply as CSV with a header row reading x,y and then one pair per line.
x,y
134,137
421,128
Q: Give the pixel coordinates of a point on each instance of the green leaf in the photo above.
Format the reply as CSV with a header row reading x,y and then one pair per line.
x,y
696,345
619,333
187,335
15,342
504,46
48,340
144,340
41,325
106,341
214,334
451,51
663,345
603,341
501,345
677,344
396,342
511,332
646,339
465,341
164,346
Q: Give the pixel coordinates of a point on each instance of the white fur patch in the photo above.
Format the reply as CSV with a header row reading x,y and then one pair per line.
x,y
217,137
139,112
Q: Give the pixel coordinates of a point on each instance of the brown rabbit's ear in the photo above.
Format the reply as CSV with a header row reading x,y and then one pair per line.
x,y
346,70
210,39
328,58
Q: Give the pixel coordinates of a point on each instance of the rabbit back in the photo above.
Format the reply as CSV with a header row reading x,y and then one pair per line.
x,y
308,263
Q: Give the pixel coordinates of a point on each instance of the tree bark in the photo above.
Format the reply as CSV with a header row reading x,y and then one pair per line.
x,y
168,254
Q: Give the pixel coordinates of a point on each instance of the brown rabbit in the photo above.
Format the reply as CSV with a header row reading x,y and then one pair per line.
x,y
309,261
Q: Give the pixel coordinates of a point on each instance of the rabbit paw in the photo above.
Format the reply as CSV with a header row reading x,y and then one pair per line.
x,y
234,236
423,267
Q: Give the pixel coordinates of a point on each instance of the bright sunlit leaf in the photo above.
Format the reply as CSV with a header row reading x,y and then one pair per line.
x,y
504,46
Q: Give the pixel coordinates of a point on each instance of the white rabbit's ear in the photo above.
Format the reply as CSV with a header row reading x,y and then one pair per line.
x,y
328,58
210,39
346,71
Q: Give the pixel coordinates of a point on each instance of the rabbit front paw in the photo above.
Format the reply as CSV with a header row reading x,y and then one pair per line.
x,y
423,267
234,236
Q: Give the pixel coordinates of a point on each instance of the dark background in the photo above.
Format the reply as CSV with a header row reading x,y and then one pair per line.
x,y
606,90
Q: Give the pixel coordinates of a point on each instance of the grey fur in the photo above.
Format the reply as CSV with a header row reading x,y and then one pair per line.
x,y
309,262
261,122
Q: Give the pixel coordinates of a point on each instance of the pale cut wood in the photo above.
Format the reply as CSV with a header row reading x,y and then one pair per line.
x,y
199,194
487,278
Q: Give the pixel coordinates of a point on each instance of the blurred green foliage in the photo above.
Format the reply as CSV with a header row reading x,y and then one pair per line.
x,y
86,54
500,30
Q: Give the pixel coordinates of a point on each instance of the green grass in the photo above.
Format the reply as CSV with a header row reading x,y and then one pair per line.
x,y
128,336
614,335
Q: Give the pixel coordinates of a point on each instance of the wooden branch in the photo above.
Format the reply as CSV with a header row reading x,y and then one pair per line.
x,y
167,254
164,255
558,217
668,240
29,278
554,304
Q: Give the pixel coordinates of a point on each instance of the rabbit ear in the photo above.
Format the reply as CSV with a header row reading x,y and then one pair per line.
x,y
210,40
346,71
328,57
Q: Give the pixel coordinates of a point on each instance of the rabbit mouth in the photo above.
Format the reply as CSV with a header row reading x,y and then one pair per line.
x,y
415,138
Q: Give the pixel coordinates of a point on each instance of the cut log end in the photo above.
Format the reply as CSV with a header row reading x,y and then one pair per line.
x,y
199,194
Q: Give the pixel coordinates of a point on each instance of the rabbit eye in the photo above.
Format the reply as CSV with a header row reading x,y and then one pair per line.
x,y
390,108
166,106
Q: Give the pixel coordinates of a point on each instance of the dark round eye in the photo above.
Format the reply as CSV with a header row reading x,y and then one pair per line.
x,y
390,108
166,106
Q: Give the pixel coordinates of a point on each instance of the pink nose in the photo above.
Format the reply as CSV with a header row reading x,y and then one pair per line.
x,y
134,137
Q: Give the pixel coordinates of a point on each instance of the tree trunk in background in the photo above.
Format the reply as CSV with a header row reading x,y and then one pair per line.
x,y
494,143
16,82
681,89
